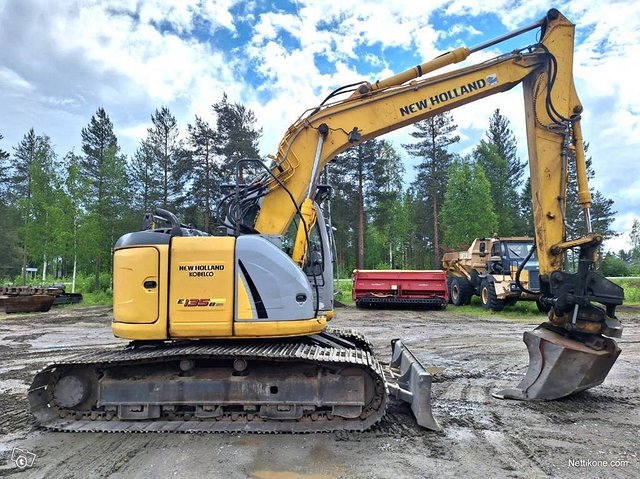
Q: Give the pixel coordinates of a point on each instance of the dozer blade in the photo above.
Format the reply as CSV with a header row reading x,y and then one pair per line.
x,y
560,366
411,383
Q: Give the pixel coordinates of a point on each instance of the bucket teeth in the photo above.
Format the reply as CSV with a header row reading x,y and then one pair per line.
x,y
560,366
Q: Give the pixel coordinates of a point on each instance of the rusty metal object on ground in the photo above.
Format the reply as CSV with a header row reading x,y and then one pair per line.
x,y
28,303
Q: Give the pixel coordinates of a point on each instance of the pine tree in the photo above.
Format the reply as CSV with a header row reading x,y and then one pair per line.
x,y
467,211
4,166
237,135
354,167
145,178
30,180
602,213
511,220
526,210
435,135
500,135
163,145
385,202
343,214
204,170
104,170
504,198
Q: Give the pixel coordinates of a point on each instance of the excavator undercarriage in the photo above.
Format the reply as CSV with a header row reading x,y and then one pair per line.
x,y
321,383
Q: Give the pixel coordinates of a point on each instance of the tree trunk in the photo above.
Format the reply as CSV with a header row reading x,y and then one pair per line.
x,y
360,257
24,261
436,233
207,189
44,269
75,253
97,273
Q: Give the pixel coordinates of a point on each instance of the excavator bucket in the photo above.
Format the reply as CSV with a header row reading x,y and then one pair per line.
x,y
560,366
411,383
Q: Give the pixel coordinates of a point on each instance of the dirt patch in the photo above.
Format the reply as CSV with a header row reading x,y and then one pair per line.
x,y
469,356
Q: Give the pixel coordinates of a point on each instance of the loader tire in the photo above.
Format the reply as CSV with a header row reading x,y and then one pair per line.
x,y
460,291
489,298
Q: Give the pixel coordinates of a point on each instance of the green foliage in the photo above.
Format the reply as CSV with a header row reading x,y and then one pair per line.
x,y
237,135
504,196
602,212
100,298
435,135
204,171
467,212
503,140
631,288
144,181
164,151
105,199
612,265
343,291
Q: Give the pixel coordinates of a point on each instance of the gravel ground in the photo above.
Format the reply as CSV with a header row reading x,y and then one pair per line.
x,y
592,434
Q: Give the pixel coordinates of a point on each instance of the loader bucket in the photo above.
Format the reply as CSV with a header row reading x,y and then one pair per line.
x,y
411,383
560,366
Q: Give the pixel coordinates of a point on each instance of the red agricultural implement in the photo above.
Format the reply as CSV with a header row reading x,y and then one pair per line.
x,y
400,288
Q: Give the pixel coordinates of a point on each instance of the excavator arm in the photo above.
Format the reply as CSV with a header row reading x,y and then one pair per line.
x,y
577,326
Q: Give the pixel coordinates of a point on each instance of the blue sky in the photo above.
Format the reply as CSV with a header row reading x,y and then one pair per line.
x,y
62,60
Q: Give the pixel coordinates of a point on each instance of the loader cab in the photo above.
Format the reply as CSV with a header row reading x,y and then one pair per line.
x,y
514,252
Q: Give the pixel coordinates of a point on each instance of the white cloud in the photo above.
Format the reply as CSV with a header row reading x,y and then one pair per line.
x,y
11,80
131,57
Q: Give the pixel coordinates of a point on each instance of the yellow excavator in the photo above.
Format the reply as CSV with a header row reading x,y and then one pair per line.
x,y
229,332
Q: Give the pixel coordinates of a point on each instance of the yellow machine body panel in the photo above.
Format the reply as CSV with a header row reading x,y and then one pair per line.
x,y
140,312
279,329
139,269
201,295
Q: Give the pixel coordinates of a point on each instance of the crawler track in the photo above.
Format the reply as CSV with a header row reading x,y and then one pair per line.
x,y
328,382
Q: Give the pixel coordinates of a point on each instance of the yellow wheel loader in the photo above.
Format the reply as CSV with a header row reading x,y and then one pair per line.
x,y
501,271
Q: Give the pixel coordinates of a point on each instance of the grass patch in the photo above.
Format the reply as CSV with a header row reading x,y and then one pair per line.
x,y
631,289
522,309
343,290
99,298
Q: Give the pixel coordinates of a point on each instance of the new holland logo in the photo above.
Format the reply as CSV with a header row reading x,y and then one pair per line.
x,y
465,89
